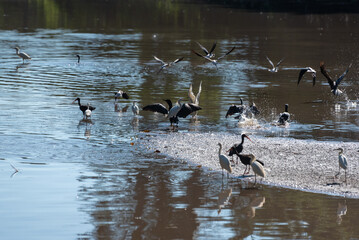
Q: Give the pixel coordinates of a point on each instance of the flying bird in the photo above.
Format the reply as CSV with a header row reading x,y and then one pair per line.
x,y
214,61
309,70
121,94
333,84
209,53
22,55
342,162
274,68
284,117
83,108
166,64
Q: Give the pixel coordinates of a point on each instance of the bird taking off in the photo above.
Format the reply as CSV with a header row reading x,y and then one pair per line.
x,y
274,68
213,61
333,84
22,55
309,70
166,64
209,53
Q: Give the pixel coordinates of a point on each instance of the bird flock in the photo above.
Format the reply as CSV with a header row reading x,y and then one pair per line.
x,y
183,109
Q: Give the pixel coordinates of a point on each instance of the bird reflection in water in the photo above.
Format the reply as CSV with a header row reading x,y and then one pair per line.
x,y
223,198
341,211
248,202
134,122
22,65
119,109
88,123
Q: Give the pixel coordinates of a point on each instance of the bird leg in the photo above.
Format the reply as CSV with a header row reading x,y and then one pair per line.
x,y
336,175
249,168
245,170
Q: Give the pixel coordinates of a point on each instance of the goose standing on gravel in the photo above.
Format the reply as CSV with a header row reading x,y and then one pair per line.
x,y
213,61
22,55
274,68
333,85
309,70
342,162
166,64
223,161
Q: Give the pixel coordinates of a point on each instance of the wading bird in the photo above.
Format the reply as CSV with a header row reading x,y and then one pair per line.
x,y
284,117
167,64
237,148
88,111
210,53
246,161
83,108
223,161
235,109
309,70
22,55
214,61
121,94
274,68
135,109
342,162
257,168
333,85
78,58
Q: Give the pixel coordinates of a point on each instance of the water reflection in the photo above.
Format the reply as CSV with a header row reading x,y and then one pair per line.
x,y
341,211
223,198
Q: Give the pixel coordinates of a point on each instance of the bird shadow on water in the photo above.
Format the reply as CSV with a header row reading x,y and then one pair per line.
x,y
22,65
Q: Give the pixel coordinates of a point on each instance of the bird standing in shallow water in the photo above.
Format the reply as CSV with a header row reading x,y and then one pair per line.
x,y
284,117
135,109
223,161
83,108
121,94
333,85
342,162
22,55
274,68
88,111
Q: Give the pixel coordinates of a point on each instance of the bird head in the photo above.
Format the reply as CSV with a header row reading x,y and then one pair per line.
x,y
77,99
244,135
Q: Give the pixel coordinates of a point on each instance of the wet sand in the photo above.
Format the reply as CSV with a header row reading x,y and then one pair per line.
x,y
306,165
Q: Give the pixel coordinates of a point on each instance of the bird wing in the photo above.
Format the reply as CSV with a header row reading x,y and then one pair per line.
x,y
301,73
157,107
213,47
326,75
199,93
169,103
178,60
279,62
191,95
258,169
91,108
232,110
342,76
125,95
227,53
200,55
159,60
187,109
203,48
271,63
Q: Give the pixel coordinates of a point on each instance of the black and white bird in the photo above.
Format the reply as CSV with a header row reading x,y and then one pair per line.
x,y
333,84
88,111
236,149
166,64
305,70
159,107
233,109
213,61
284,117
83,108
22,55
121,94
274,68
246,161
209,53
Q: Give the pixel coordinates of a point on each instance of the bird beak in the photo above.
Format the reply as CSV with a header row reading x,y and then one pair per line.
x,y
74,101
249,139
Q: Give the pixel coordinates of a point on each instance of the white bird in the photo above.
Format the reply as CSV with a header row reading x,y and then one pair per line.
x,y
167,64
224,161
194,98
121,94
284,117
309,70
257,168
214,61
88,111
274,68
342,162
22,55
135,108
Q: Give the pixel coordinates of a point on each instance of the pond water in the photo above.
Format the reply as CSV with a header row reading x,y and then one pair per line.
x,y
85,180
